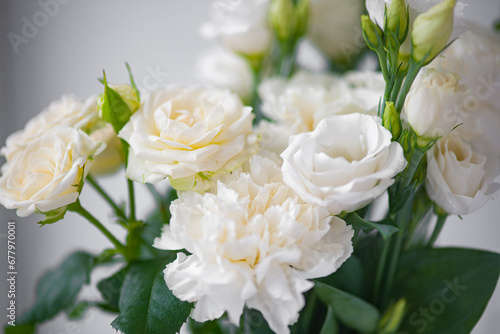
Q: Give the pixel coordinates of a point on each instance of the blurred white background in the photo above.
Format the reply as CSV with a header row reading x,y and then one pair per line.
x,y
160,40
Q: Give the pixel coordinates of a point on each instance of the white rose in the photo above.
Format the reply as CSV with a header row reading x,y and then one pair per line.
x,y
45,173
344,164
224,69
475,56
67,111
241,25
435,103
459,179
299,104
253,242
182,131
334,26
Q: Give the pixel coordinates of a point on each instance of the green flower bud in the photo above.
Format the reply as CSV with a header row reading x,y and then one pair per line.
x,y
371,32
281,16
392,318
302,10
397,19
391,120
129,95
432,30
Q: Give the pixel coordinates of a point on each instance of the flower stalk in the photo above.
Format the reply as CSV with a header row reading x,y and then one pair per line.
x,y
78,208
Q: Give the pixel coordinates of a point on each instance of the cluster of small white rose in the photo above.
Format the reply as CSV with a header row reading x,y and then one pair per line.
x,y
47,160
259,219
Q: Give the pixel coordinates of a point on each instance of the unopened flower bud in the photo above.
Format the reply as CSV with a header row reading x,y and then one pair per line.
x,y
302,10
371,32
391,120
392,319
129,95
281,16
432,30
397,19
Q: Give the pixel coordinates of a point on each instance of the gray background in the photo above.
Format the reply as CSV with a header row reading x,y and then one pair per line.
x,y
160,40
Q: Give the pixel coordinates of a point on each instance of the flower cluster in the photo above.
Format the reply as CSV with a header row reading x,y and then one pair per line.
x,y
277,173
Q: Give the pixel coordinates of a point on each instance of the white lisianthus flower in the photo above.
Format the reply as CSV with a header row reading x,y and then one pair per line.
x,y
344,164
67,111
45,173
252,242
459,179
241,26
334,26
435,103
181,131
221,68
299,104
475,56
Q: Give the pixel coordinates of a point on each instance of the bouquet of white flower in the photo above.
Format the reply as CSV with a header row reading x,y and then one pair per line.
x,y
299,201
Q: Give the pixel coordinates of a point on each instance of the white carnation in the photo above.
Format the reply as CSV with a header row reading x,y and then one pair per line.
x,y
45,173
344,164
181,131
253,242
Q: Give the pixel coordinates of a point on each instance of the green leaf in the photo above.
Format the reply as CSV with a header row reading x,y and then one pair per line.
x,y
146,304
447,289
110,289
385,227
59,287
114,109
330,325
156,220
79,310
20,329
53,216
253,321
352,311
132,81
349,277
398,197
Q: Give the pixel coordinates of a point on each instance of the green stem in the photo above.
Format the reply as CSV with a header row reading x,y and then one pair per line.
x,y
77,207
413,70
437,230
131,196
402,219
380,271
108,199
412,167
382,59
397,87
